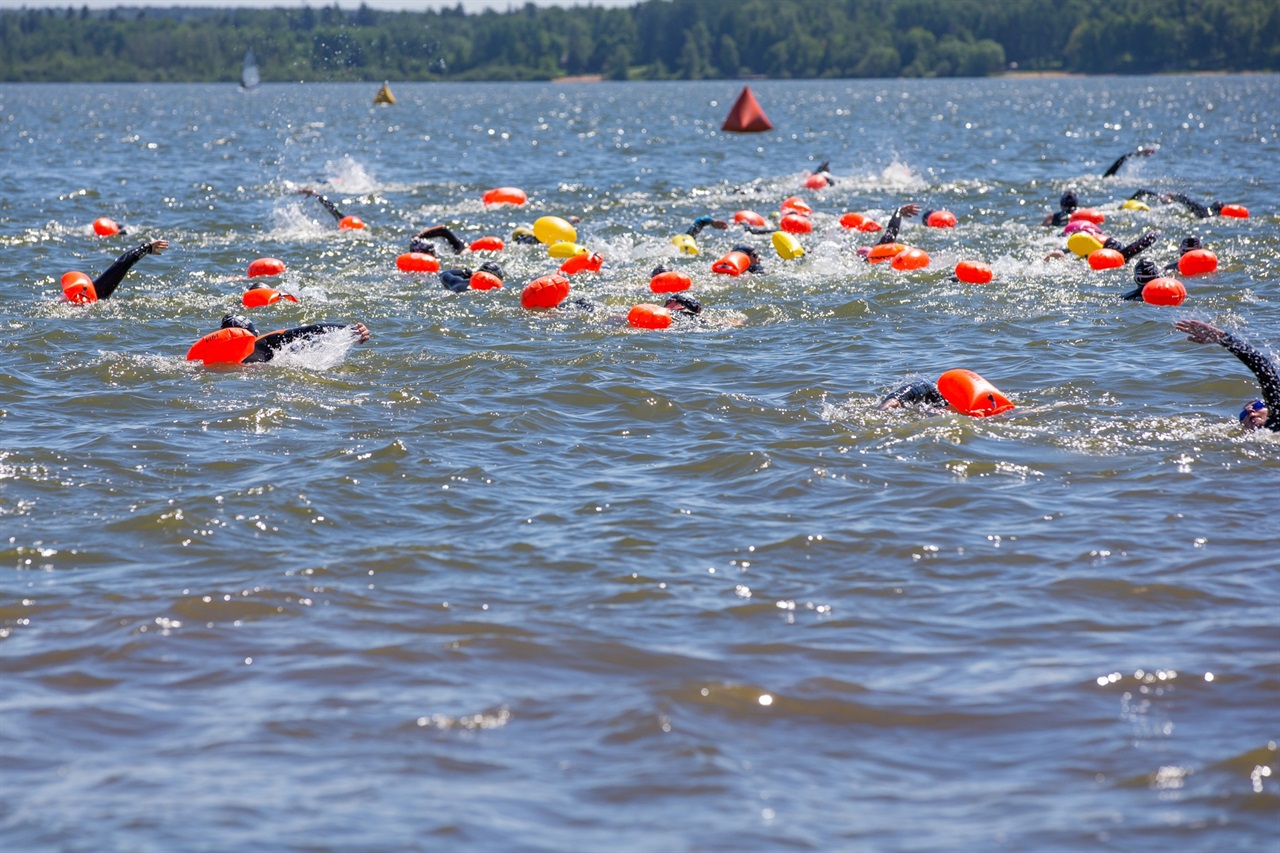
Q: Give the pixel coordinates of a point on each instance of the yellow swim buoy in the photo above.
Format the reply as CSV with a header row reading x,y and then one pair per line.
x,y
685,243
553,229
1134,204
1083,244
787,246
566,249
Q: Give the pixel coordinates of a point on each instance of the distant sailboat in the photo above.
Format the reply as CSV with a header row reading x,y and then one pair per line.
x,y
384,95
249,78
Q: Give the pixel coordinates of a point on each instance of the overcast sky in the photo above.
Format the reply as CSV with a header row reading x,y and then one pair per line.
x,y
470,6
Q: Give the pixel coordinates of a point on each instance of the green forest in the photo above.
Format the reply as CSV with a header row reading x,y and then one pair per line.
x,y
653,40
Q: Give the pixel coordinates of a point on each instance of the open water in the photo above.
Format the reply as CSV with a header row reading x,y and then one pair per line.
x,y
537,580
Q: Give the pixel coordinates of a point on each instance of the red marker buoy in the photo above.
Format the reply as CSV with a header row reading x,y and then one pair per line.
x,y
745,116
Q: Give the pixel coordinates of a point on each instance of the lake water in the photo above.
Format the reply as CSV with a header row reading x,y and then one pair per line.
x,y
537,580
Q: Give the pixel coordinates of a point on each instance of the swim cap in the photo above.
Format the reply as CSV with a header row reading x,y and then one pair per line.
x,y
1145,271
684,303
524,234
1189,244
1251,407
659,270
1069,201
1112,243
233,321
1216,206
493,269
748,251
426,247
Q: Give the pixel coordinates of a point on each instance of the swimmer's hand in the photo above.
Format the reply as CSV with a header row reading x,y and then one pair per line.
x,y
157,246
719,224
1200,333
307,191
359,332
1147,150
909,210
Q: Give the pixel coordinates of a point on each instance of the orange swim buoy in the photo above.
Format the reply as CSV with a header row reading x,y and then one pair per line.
x,y
734,263
856,221
910,259
794,223
488,244
1235,211
973,272
649,316
795,204
546,292
816,182
1164,291
78,288
582,263
417,262
884,252
260,297
1105,259
351,223
1198,262
972,394
505,195
1088,214
750,217
484,280
940,219
225,346
104,227
266,266
670,282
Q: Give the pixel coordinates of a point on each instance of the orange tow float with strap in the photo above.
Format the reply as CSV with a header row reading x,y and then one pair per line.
x,y
856,221
485,280
417,262
973,272
583,263
266,266
104,227
733,263
670,281
351,223
546,292
649,316
505,195
260,297
1164,291
884,252
940,219
1105,259
488,244
1198,262
78,288
750,217
910,259
972,394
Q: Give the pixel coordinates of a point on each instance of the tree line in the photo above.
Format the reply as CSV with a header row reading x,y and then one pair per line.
x,y
653,40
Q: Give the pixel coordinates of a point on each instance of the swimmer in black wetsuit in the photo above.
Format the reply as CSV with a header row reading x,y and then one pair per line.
x,y
891,230
702,222
1144,151
1067,205
271,343
1128,252
1144,272
458,279
1264,413
106,284
923,392
328,205
1198,210
825,171
420,241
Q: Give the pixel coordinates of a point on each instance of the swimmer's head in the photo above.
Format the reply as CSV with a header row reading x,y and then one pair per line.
x,y
681,303
493,269
1145,270
1069,201
748,251
1254,415
234,321
660,269
524,234
1189,244
1216,206
582,303
426,247
257,285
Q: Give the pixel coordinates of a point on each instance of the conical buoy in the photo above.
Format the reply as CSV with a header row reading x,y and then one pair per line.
x,y
746,115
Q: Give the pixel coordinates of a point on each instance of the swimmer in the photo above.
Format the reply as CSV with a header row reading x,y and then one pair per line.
x,y
891,230
268,345
1067,205
1144,272
343,221
1144,151
922,392
684,307
824,171
752,255
702,222
458,279
1198,210
1259,413
1128,252
420,241
106,284
1188,244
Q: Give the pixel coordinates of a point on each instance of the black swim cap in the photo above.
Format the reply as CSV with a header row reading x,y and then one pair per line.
x,y
1215,206
1189,244
748,251
660,269
1069,201
1145,271
493,269
257,285
234,321
426,247
686,303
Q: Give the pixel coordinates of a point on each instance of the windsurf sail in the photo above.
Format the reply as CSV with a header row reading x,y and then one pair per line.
x,y
249,78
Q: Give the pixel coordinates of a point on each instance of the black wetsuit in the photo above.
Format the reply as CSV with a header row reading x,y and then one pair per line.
x,y
1145,151
916,392
702,222
420,243
891,230
1135,248
106,284
752,255
328,205
268,345
1197,209
458,279
1266,373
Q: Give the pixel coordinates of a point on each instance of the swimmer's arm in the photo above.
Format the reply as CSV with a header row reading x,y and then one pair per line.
x,y
328,205
702,222
1198,209
1144,151
442,231
895,222
913,392
1143,193
1262,368
1140,245
275,341
106,284
456,280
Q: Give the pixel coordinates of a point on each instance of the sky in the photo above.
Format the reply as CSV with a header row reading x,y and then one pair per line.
x,y
470,6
